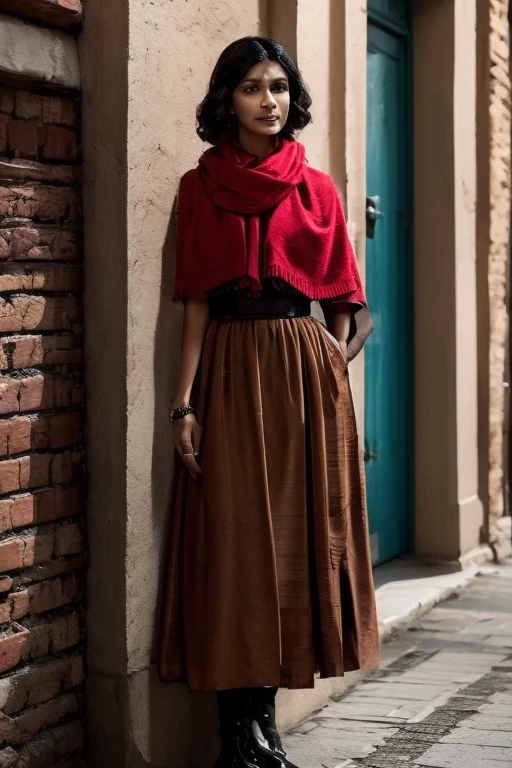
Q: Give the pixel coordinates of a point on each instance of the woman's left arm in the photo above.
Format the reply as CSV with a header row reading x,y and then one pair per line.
x,y
338,324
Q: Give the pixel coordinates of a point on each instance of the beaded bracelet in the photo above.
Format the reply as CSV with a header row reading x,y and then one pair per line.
x,y
182,411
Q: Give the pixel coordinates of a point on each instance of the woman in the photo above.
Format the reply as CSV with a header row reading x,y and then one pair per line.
x,y
269,572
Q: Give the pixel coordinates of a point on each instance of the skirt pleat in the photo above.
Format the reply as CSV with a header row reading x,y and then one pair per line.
x,y
269,576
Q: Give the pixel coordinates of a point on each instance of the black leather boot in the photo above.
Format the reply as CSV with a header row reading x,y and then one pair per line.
x,y
243,745
263,711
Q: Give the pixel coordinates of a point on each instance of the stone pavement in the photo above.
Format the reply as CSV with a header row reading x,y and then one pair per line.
x,y
442,698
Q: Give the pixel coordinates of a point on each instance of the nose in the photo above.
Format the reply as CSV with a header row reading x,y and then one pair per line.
x,y
268,101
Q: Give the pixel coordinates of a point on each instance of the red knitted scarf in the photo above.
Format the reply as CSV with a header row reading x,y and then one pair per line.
x,y
243,219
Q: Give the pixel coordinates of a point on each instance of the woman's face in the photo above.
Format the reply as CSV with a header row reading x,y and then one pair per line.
x,y
261,101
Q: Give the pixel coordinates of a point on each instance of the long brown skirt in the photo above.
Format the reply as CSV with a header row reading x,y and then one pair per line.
x,y
269,575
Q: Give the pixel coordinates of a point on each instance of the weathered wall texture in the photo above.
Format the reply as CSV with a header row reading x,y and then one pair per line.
x,y
139,138
499,203
41,528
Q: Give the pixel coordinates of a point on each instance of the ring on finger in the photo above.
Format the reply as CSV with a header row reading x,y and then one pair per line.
x,y
193,453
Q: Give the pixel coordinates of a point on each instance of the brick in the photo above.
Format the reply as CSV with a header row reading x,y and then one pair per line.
x,y
18,509
10,476
14,646
60,110
39,640
28,105
64,430
29,277
38,470
7,99
66,468
9,758
43,242
4,132
42,507
23,138
38,392
5,515
69,539
56,204
18,169
23,433
69,738
54,636
10,554
28,313
28,724
67,392
33,685
15,435
19,605
30,351
54,593
5,615
39,752
76,672
5,583
9,394
56,13
49,570
58,503
26,472
65,633
38,548
60,144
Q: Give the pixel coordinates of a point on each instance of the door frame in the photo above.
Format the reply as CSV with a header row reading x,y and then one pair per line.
x,y
405,32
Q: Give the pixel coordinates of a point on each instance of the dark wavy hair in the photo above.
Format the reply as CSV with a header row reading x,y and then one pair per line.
x,y
214,116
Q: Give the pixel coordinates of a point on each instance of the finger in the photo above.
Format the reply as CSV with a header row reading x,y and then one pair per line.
x,y
188,456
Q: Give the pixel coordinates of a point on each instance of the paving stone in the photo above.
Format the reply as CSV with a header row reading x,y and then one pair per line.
x,y
489,722
403,690
489,626
459,756
500,641
465,735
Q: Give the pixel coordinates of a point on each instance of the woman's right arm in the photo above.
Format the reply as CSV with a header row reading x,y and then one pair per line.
x,y
187,431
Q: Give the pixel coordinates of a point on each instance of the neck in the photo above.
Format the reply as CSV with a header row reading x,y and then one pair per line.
x,y
261,146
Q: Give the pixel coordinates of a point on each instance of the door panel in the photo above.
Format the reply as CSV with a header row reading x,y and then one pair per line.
x,y
386,368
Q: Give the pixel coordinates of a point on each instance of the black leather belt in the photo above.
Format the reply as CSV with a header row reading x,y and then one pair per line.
x,y
233,307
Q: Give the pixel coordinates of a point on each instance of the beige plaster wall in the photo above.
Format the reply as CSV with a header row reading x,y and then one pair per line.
x,y
449,513
168,74
470,506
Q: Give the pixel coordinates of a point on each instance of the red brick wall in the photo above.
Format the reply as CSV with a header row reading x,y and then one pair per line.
x,y
41,462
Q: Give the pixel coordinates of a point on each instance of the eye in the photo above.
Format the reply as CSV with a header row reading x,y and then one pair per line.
x,y
280,87
250,88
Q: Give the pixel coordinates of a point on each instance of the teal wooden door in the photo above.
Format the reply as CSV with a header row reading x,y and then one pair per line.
x,y
387,370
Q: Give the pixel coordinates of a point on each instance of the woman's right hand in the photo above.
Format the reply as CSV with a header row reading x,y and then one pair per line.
x,y
187,440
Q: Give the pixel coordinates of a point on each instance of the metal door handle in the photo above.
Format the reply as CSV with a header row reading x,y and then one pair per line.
x,y
372,215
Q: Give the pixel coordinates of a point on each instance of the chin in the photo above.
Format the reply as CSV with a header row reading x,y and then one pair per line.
x,y
265,130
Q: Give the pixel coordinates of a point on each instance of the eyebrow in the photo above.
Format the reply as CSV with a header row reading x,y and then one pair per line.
x,y
258,80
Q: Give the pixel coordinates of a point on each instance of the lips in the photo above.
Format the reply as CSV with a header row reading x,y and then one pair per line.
x,y
269,119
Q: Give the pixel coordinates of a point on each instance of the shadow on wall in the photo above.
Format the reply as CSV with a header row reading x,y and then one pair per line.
x,y
170,726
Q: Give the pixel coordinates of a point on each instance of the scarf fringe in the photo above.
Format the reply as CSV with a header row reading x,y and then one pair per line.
x,y
341,288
